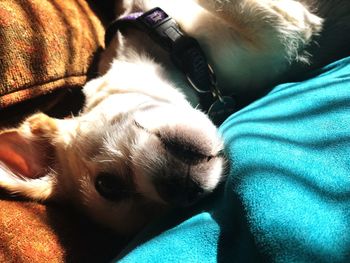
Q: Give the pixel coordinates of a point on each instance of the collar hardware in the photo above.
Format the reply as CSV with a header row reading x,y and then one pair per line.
x,y
186,54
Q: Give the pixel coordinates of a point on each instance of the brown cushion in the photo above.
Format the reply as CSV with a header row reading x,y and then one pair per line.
x,y
47,48
45,45
31,232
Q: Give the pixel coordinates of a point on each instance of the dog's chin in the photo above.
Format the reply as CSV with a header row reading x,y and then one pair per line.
x,y
178,159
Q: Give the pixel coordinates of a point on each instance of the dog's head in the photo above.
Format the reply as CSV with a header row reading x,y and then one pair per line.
x,y
122,169
137,149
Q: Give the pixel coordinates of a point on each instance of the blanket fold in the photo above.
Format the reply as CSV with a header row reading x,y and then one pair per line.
x,y
287,196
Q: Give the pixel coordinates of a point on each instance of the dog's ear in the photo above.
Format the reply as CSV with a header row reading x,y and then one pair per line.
x,y
25,159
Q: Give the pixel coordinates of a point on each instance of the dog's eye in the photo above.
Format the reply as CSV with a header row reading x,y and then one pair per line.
x,y
111,187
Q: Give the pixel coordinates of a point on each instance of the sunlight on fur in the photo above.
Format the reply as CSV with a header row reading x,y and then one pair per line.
x,y
139,147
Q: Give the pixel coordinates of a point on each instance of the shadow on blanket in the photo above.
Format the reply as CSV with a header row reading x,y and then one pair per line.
x,y
287,197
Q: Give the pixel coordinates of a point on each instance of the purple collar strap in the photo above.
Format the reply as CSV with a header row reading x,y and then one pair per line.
x,y
185,53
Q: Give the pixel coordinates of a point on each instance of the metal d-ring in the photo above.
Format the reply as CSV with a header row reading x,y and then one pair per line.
x,y
212,82
195,87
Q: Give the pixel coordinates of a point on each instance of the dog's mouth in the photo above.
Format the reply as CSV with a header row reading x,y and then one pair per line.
x,y
179,190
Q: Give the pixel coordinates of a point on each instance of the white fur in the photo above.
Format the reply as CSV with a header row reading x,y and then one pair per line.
x,y
139,124
258,39
39,189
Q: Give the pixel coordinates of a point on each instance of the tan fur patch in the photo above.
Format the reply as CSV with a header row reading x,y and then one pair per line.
x,y
41,124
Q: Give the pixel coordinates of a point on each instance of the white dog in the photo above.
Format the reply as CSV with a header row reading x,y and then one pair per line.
x,y
140,145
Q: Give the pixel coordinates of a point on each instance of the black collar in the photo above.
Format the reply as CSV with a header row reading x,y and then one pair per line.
x,y
185,53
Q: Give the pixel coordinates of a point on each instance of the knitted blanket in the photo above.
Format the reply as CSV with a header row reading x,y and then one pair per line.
x,y
45,45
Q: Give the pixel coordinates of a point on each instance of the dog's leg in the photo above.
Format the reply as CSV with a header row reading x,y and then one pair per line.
x,y
288,22
249,42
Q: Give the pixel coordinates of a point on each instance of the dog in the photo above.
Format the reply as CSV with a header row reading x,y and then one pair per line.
x,y
140,145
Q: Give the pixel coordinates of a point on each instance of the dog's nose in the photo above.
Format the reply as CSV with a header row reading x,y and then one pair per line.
x,y
181,154
191,157
187,133
188,144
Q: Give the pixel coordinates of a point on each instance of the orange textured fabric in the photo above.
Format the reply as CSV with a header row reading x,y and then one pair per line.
x,y
45,45
36,233
18,241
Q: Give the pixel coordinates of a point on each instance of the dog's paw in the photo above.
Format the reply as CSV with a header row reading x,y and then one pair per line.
x,y
40,125
297,18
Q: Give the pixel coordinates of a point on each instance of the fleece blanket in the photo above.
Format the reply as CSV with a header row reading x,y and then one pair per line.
x,y
287,195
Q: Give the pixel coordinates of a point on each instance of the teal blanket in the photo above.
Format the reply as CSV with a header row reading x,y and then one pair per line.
x,y
287,196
